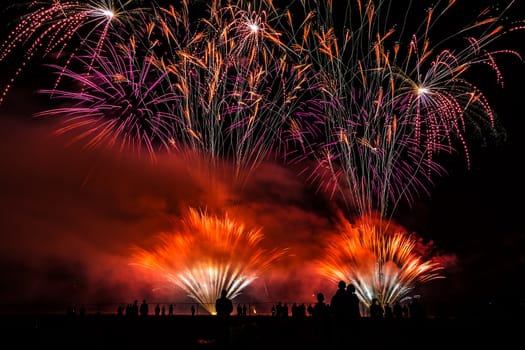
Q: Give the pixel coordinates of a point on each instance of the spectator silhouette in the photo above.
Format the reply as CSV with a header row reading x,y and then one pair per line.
x,y
310,309
355,312
157,310
376,309
284,310
239,310
120,311
223,307
389,313
398,310
321,318
135,308
170,310
340,306
302,311
192,310
295,310
144,308
279,309
354,338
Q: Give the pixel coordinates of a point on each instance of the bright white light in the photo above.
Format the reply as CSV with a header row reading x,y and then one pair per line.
x,y
253,27
108,13
422,90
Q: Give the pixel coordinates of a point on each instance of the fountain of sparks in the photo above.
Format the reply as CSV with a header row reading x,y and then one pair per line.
x,y
381,262
206,254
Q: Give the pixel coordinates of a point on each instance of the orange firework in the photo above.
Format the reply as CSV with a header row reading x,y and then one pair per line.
x,y
206,254
381,262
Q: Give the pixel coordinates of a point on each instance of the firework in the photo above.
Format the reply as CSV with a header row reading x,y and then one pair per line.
x,y
221,89
369,100
394,104
207,254
118,99
381,262
242,90
373,102
60,28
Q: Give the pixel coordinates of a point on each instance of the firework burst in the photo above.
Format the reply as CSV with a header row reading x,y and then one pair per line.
x,y
375,106
381,262
60,28
391,109
213,88
118,99
241,89
207,254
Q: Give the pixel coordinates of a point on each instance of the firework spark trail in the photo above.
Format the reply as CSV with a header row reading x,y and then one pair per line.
x,y
119,101
381,263
390,111
240,91
61,28
225,88
206,254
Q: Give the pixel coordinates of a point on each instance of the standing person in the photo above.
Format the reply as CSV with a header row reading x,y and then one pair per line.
x,y
355,317
144,308
223,307
355,312
239,310
398,310
340,308
376,309
321,320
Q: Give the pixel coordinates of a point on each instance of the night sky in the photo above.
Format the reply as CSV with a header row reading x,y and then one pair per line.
x,y
68,215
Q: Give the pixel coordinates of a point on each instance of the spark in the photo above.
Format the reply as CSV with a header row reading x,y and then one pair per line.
x,y
381,262
206,254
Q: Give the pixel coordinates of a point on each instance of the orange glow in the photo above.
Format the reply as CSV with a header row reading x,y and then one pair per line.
x,y
381,261
206,254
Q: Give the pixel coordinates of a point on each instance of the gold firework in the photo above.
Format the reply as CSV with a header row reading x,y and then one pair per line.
x,y
206,254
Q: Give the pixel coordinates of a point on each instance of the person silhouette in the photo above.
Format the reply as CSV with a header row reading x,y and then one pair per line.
x,y
223,308
376,309
239,310
354,329
340,307
321,318
355,313
223,305
398,310
144,308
